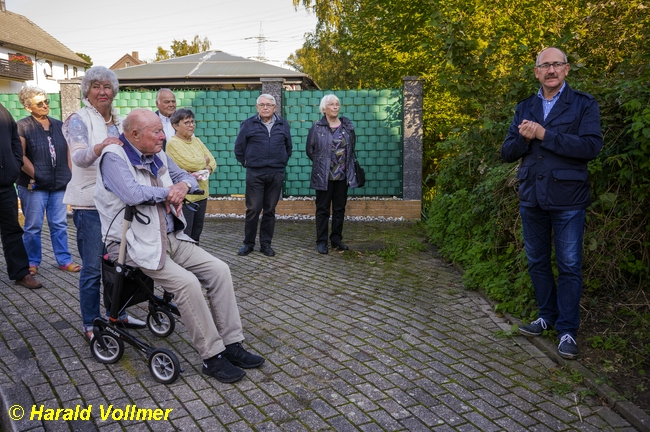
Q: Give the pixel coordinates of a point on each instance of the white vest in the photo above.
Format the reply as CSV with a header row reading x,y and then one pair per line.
x,y
80,190
146,243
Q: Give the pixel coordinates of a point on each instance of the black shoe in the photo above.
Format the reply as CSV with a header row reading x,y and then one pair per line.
x,y
245,250
340,246
221,368
266,250
322,248
568,348
238,356
536,328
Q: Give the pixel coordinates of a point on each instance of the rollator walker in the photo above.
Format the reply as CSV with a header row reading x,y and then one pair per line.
x,y
125,286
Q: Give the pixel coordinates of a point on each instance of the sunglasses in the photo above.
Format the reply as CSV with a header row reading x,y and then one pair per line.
x,y
45,102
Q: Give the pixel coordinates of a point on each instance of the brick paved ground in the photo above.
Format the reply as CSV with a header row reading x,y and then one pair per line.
x,y
351,342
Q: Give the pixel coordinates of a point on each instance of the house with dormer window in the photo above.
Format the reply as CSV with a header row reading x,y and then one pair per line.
x,y
30,55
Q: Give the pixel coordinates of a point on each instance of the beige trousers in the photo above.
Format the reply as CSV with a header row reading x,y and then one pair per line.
x,y
187,268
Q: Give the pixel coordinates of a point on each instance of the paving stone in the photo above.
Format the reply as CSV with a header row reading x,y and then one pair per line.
x,y
226,414
481,422
322,408
371,427
458,391
385,420
293,426
399,348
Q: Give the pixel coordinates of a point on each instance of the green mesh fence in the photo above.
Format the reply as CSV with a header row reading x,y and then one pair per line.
x,y
13,105
376,114
377,119
218,115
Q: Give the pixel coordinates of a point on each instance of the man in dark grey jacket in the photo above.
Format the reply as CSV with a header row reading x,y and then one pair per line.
x,y
554,133
11,161
263,146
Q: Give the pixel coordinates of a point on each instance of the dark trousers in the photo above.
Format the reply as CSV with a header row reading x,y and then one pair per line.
x,y
262,194
336,195
12,235
195,219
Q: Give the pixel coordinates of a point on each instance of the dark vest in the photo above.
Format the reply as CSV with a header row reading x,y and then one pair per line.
x,y
37,150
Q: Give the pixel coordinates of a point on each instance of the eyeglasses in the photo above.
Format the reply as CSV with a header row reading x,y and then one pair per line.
x,y
266,105
556,65
46,102
188,122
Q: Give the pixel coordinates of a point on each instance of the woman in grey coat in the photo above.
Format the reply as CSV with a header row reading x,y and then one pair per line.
x,y
330,146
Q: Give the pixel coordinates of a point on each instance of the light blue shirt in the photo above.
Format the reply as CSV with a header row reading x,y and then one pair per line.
x,y
549,104
118,179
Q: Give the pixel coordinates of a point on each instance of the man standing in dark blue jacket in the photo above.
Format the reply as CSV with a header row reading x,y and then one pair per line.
x,y
11,162
263,146
555,133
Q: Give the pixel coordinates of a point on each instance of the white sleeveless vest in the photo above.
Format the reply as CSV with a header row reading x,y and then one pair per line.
x,y
146,243
80,190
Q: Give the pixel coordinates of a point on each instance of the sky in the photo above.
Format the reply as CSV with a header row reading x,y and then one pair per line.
x,y
106,30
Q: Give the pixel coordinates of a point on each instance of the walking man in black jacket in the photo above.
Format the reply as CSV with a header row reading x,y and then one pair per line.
x,y
263,146
11,161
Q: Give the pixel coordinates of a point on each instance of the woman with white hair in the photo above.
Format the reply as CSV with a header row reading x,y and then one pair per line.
x,y
88,131
42,181
330,146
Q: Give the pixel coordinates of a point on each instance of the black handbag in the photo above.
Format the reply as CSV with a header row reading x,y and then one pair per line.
x,y
358,171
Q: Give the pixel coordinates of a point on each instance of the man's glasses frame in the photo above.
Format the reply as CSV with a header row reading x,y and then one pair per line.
x,y
556,65
264,105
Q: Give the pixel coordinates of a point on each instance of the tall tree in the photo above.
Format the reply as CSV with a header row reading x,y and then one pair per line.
x,y
475,56
182,48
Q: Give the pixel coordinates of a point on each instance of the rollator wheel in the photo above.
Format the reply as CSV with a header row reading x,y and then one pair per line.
x,y
164,366
167,322
114,351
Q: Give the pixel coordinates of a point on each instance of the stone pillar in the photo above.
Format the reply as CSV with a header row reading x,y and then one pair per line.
x,y
413,133
273,86
70,97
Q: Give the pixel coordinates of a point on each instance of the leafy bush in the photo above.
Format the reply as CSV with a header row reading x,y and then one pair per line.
x,y
473,217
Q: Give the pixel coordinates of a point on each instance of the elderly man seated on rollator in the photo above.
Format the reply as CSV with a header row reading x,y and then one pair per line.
x,y
137,172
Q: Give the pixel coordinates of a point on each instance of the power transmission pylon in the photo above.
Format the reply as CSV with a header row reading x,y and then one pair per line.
x,y
261,39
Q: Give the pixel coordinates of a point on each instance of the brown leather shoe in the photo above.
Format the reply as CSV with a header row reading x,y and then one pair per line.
x,y
29,282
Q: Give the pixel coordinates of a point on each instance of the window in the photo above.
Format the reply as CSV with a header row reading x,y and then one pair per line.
x,y
65,71
128,64
74,71
47,69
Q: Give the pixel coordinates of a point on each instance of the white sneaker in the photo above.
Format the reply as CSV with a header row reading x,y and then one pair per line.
x,y
132,323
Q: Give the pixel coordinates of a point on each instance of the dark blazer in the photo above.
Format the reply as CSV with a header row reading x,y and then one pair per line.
x,y
11,151
553,173
257,148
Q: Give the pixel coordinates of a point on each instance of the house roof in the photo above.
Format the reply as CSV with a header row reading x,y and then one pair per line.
x,y
19,33
126,58
209,68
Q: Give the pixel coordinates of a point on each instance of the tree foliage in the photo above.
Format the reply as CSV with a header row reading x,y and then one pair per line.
x,y
182,48
476,61
87,58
